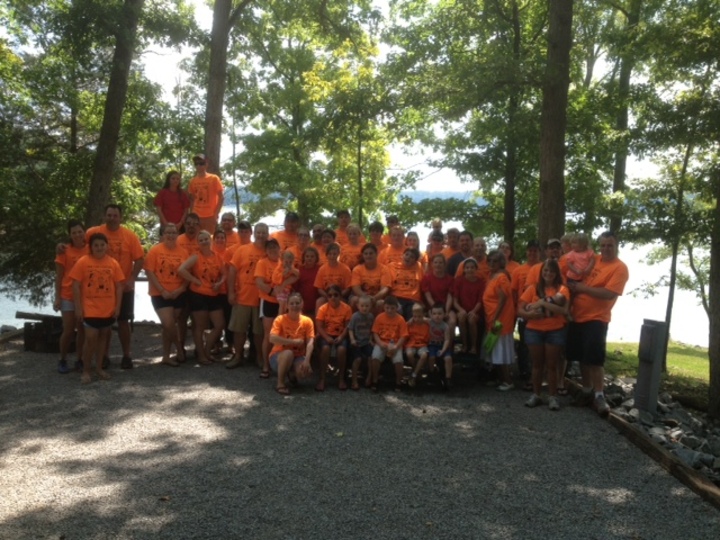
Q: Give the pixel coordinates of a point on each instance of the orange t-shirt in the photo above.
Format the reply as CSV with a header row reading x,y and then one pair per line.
x,y
511,266
491,300
208,270
483,270
533,276
608,275
205,193
390,328
188,244
547,324
418,334
285,327
164,263
67,260
371,281
563,263
279,275
406,281
519,278
99,279
341,237
336,319
339,275
123,246
298,252
244,259
264,269
391,255
285,239
231,238
351,255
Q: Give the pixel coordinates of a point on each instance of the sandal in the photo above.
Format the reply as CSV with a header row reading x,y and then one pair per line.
x,y
355,386
265,374
282,390
562,391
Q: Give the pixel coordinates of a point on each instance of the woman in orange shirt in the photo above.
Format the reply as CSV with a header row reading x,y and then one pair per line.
x,y
206,273
292,336
167,289
269,306
64,262
500,318
544,307
412,240
97,295
332,326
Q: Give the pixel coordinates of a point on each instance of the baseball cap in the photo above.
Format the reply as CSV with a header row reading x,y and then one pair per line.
x,y
199,157
553,241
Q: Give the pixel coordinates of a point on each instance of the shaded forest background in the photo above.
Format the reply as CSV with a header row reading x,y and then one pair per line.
x,y
536,105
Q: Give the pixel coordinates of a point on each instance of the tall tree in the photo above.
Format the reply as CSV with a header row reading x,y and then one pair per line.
x,y
553,121
125,33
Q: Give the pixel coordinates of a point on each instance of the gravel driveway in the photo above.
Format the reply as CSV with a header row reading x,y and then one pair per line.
x,y
204,452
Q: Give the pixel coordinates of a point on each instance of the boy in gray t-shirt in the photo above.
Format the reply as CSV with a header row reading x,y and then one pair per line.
x,y
360,333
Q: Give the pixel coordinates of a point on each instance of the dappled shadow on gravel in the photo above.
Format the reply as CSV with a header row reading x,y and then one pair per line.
x,y
204,452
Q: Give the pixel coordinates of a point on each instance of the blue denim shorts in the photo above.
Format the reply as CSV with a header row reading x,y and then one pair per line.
x,y
550,337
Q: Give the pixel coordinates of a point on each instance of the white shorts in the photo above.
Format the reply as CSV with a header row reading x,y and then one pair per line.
x,y
503,354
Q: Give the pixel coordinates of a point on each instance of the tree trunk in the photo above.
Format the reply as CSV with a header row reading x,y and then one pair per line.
x,y
553,121
714,294
219,38
627,62
511,144
99,194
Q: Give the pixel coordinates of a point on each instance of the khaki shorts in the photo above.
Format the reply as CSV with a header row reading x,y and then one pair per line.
x,y
244,316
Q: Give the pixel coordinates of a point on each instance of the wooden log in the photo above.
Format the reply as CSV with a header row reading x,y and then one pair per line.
x,y
34,316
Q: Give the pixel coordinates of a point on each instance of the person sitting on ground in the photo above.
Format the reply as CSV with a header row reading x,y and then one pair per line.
x,y
206,273
389,334
97,296
545,335
332,272
166,288
416,348
468,291
360,336
64,262
284,277
500,318
332,320
292,336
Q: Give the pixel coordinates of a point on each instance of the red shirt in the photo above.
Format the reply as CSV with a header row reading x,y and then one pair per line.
x,y
439,288
305,285
173,204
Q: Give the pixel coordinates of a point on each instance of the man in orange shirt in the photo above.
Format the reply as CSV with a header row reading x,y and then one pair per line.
x,y
243,294
288,237
591,309
206,194
227,222
393,253
453,243
123,246
188,239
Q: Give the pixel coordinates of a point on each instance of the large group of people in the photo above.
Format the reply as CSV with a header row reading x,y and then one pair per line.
x,y
317,300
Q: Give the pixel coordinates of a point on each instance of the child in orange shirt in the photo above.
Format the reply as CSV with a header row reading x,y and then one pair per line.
x,y
416,350
332,326
390,334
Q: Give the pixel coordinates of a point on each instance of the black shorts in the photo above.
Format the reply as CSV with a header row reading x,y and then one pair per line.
x,y
99,323
269,309
586,342
362,351
127,306
203,302
158,302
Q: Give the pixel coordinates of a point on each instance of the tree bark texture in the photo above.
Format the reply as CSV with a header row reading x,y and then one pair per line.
x,y
554,121
714,301
99,194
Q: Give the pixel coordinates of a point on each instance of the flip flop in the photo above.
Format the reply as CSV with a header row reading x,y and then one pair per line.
x,y
282,390
265,374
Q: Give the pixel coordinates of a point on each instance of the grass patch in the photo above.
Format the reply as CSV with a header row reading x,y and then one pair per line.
x,y
687,378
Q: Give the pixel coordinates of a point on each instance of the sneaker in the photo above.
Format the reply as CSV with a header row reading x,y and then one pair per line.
x,y
126,363
533,401
105,362
554,403
63,366
504,387
236,361
601,406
